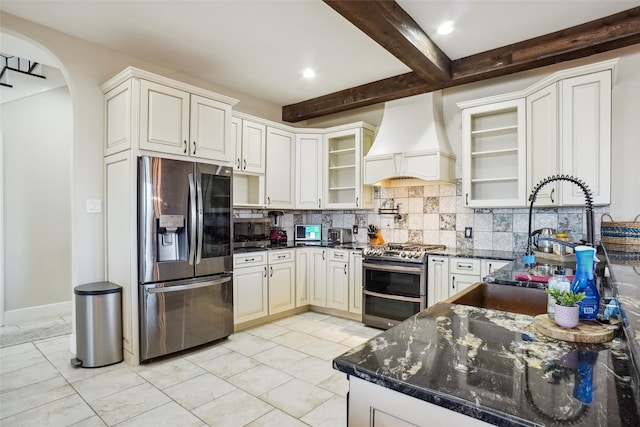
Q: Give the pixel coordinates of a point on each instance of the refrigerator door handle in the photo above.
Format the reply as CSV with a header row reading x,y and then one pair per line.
x,y
192,219
200,218
187,287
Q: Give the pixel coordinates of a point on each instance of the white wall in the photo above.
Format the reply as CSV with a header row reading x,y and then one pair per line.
x,y
37,199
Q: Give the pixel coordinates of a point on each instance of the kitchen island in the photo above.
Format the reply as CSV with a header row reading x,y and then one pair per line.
x,y
490,366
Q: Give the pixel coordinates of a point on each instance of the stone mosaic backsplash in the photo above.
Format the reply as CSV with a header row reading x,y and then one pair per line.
x,y
436,214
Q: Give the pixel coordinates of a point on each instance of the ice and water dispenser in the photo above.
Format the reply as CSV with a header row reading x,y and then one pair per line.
x,y
171,237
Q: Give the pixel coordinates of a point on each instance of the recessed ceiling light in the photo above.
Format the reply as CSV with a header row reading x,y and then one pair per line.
x,y
309,73
445,28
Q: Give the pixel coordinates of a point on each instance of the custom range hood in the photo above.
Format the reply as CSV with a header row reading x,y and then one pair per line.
x,y
411,145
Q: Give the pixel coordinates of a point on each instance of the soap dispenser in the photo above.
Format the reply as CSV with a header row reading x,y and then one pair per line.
x,y
584,281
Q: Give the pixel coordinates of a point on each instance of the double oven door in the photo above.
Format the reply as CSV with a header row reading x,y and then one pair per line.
x,y
393,291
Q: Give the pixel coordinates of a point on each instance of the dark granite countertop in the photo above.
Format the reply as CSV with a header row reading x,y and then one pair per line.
x,y
293,245
494,366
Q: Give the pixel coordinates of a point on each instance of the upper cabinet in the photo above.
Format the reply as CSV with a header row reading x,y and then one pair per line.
x,y
585,136
280,174
569,133
251,146
150,112
309,171
494,155
343,162
559,126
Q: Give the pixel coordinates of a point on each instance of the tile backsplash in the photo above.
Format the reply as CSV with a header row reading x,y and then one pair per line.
x,y
436,214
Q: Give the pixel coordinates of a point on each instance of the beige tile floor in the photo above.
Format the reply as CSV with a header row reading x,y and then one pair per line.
x,y
277,374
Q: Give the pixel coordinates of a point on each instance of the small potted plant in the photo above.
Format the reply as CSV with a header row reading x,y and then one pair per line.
x,y
567,311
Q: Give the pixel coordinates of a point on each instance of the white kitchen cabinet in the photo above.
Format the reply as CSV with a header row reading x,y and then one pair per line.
x,y
318,276
338,279
463,272
489,266
355,282
437,279
150,112
121,231
542,143
250,146
569,133
280,168
309,168
176,122
377,406
250,286
303,271
282,280
345,148
585,138
494,154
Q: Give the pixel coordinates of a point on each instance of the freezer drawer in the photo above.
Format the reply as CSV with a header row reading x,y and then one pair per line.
x,y
181,315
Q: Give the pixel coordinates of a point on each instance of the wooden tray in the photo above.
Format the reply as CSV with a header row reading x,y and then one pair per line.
x,y
587,331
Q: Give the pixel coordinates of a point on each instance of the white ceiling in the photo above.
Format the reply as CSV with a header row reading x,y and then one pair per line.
x,y
260,47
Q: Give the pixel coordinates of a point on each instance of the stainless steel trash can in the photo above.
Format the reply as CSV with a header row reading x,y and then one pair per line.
x,y
98,324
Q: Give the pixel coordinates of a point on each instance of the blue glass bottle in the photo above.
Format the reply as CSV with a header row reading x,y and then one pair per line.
x,y
584,281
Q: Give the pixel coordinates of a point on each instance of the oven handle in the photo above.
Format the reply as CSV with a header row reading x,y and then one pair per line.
x,y
393,297
399,269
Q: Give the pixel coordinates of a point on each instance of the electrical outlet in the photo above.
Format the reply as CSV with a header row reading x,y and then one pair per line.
x,y
355,228
468,232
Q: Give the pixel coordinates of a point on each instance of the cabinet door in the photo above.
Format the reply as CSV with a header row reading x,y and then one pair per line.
x,y
254,144
309,176
164,118
355,282
493,154
586,136
318,277
542,144
489,266
460,282
437,279
280,168
282,291
338,285
118,116
210,125
303,271
250,293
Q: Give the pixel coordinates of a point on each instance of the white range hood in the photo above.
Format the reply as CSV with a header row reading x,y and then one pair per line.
x,y
411,145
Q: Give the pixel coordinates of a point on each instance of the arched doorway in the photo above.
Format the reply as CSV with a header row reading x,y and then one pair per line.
x,y
37,138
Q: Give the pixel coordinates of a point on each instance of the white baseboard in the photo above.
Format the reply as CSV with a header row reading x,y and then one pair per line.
x,y
34,314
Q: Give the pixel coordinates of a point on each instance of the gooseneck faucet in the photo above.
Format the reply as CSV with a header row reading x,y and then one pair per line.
x,y
529,257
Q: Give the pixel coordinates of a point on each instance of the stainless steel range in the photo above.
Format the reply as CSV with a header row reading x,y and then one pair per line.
x,y
394,282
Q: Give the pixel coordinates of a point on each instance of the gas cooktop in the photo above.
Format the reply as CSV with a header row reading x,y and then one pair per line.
x,y
413,252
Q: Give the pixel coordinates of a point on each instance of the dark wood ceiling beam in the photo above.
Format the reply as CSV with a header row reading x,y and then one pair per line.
x,y
388,24
612,32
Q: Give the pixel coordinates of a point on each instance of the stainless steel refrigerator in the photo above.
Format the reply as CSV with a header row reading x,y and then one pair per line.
x,y
185,244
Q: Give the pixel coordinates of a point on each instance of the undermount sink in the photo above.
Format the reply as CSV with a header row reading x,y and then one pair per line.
x,y
514,299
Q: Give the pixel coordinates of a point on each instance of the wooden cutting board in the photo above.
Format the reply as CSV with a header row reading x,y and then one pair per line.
x,y
587,331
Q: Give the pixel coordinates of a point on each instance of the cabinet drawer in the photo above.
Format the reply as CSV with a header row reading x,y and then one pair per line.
x,y
339,255
250,258
281,256
464,266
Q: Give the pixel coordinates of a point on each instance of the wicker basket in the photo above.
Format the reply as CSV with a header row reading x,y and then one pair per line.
x,y
620,232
